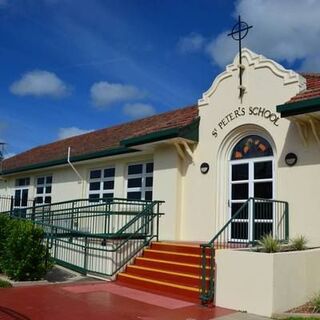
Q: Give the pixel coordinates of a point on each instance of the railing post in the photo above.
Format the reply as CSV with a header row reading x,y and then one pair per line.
x,y
203,274
158,221
33,214
212,268
11,206
72,215
287,221
105,217
153,211
55,244
42,214
253,218
147,220
85,262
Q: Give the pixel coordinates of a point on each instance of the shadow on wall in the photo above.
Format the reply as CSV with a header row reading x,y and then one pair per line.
x,y
307,155
176,161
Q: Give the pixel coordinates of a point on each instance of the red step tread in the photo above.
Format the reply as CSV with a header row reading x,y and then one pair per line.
x,y
168,267
165,276
159,285
195,269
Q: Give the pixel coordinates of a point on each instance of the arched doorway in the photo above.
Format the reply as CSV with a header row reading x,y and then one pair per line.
x,y
251,176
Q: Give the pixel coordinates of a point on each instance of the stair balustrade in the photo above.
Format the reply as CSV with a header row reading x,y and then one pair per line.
x,y
254,219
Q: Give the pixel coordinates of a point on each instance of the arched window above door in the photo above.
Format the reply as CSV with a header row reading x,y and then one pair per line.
x,y
252,146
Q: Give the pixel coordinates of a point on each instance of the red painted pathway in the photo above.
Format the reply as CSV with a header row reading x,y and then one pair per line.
x,y
97,300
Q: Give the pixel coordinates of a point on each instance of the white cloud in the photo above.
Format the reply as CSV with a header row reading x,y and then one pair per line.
x,y
138,110
71,132
193,42
221,50
39,83
104,93
287,30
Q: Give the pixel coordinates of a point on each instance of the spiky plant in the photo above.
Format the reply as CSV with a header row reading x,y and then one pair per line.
x,y
269,244
5,284
315,302
298,243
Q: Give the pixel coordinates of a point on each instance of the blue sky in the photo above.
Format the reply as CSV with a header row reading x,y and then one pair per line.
x,y
68,66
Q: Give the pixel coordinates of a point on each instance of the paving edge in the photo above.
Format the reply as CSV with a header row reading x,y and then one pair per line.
x,y
42,282
286,315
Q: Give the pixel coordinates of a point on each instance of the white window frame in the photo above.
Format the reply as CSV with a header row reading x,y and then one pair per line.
x,y
20,189
250,181
101,180
143,189
44,186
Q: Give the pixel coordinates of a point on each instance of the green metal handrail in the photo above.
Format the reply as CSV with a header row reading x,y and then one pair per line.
x,y
252,212
83,235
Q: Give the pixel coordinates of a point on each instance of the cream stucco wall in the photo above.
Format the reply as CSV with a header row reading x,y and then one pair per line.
x,y
167,183
206,196
265,284
167,186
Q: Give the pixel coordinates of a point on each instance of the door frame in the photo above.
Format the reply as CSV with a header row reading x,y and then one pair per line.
x,y
250,181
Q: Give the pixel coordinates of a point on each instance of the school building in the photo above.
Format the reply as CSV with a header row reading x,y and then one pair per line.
x,y
258,144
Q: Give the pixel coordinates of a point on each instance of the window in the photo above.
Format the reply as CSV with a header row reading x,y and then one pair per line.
x,y
251,147
22,182
21,192
21,198
101,183
140,181
43,189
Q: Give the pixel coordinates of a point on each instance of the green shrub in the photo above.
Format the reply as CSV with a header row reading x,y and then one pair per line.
x,y
315,302
4,224
269,244
5,284
25,257
298,243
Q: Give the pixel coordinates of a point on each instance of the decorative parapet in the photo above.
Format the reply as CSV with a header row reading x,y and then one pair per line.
x,y
250,58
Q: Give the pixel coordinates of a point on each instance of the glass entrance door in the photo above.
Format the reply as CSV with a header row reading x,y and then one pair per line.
x,y
251,176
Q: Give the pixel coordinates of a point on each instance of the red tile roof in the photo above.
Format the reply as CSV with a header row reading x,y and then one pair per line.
x,y
107,138
102,139
312,90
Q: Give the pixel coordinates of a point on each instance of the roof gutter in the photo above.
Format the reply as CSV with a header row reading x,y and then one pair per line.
x,y
190,132
95,155
299,107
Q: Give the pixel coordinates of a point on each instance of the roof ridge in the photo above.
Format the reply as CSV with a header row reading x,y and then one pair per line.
x,y
149,117
310,74
106,128
121,124
100,140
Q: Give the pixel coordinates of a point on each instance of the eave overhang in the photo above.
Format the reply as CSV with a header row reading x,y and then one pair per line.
x,y
95,155
306,117
189,132
299,107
